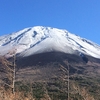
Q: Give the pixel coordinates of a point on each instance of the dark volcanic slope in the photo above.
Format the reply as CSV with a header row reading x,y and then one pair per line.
x,y
44,58
54,60
44,66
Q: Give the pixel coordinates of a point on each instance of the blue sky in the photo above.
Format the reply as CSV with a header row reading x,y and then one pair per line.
x,y
81,17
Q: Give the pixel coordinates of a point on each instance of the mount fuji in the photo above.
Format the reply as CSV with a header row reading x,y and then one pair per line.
x,y
39,39
47,62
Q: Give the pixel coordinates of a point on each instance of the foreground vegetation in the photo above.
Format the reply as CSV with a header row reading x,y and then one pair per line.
x,y
80,89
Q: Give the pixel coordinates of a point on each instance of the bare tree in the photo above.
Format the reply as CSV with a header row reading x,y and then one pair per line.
x,y
13,53
10,70
68,78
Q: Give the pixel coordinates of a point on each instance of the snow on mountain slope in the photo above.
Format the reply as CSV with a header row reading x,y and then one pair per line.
x,y
40,39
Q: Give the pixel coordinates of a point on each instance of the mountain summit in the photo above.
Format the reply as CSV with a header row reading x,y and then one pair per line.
x,y
35,40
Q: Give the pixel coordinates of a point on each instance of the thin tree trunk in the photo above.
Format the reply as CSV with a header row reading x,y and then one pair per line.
x,y
14,73
68,81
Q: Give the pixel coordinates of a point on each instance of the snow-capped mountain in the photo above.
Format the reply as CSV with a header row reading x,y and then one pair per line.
x,y
40,39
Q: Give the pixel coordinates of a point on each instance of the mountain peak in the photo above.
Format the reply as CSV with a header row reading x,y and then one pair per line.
x,y
39,39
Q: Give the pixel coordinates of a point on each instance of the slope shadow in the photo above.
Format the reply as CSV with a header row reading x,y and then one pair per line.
x,y
48,57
